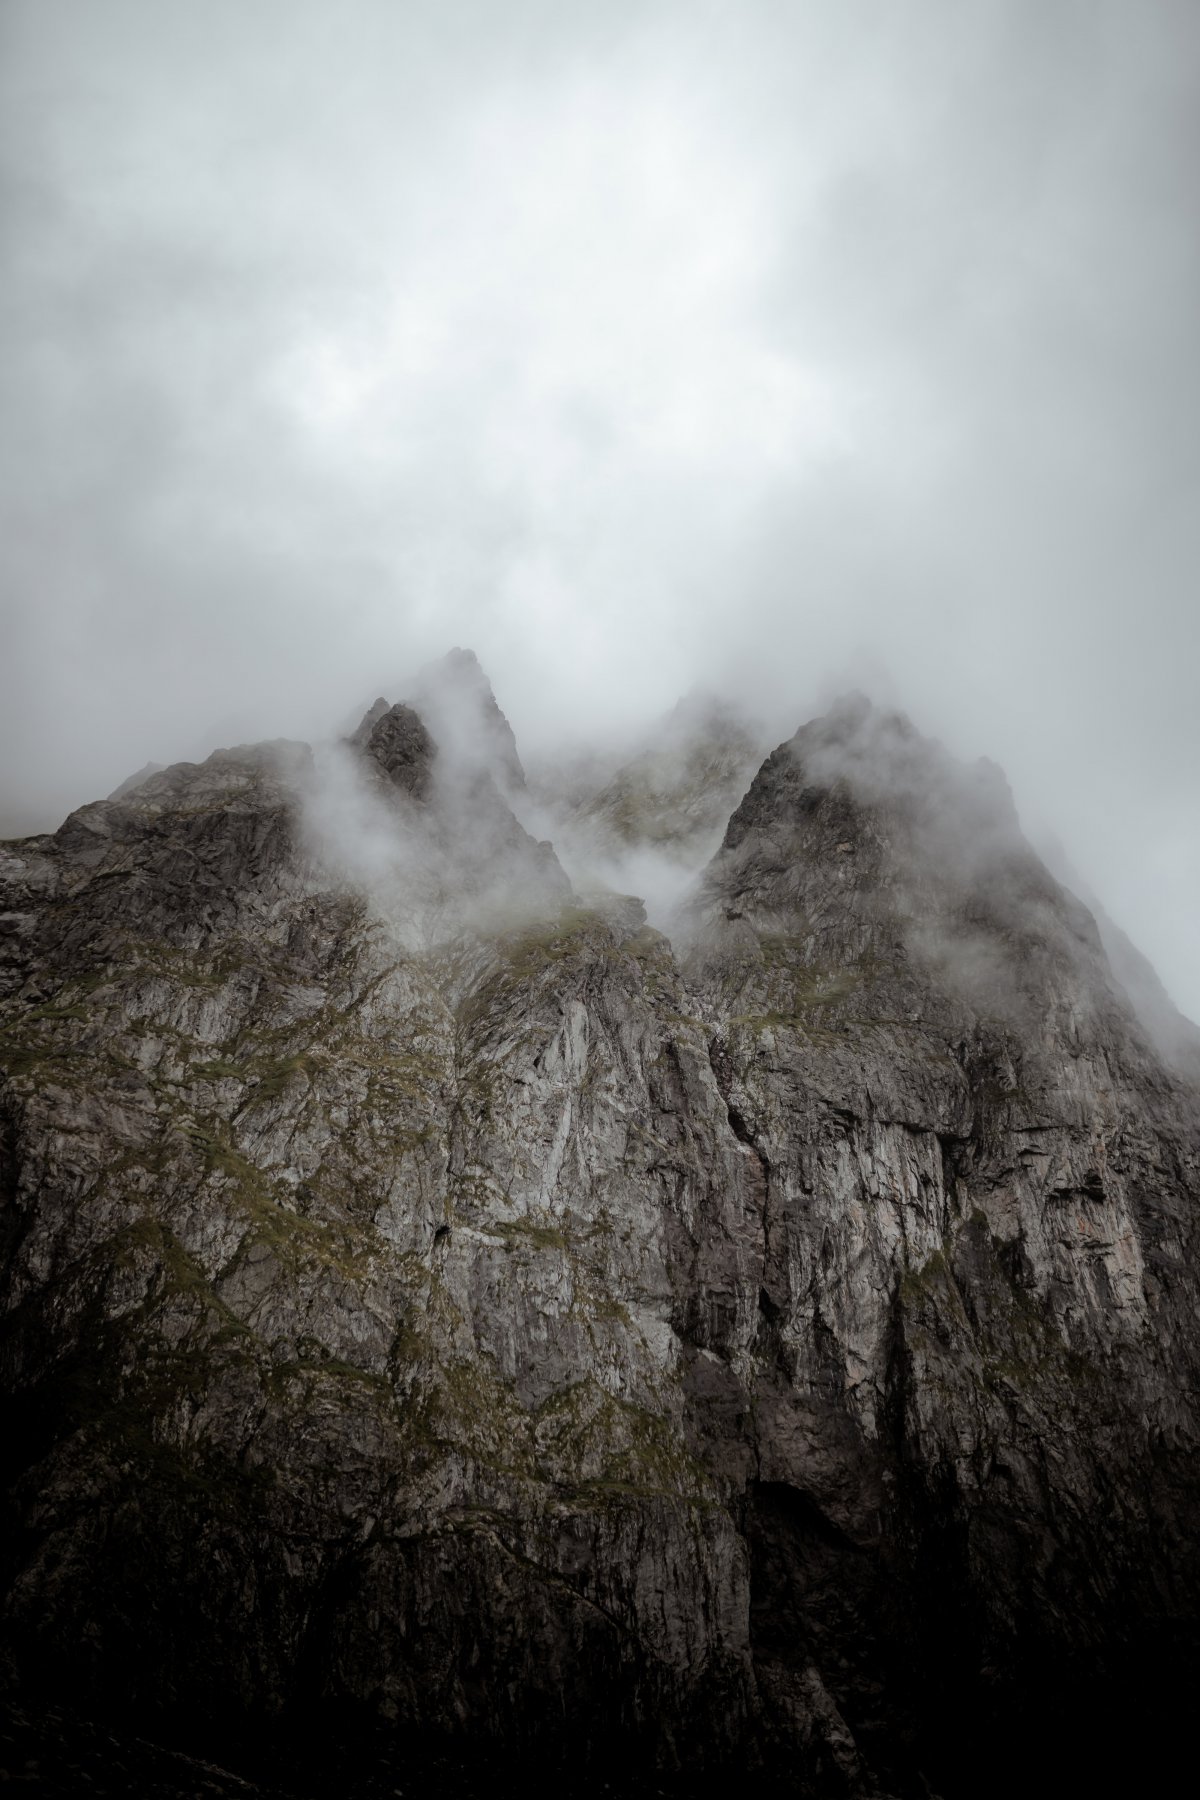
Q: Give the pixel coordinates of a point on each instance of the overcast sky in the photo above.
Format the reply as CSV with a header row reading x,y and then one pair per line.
x,y
773,346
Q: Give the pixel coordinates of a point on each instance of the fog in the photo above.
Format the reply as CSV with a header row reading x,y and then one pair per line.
x,y
775,348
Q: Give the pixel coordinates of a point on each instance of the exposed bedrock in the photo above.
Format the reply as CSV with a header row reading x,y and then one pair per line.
x,y
434,1303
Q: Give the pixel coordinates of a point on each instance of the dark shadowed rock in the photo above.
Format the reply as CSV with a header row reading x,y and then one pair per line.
x,y
398,743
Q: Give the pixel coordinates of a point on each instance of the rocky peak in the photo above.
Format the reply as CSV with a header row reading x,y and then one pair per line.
x,y
459,854
877,761
454,698
701,713
883,845
368,722
135,780
396,741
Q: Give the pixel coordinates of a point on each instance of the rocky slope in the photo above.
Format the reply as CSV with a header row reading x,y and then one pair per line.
x,y
445,1312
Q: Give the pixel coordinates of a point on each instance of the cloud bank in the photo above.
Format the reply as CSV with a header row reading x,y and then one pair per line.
x,y
768,347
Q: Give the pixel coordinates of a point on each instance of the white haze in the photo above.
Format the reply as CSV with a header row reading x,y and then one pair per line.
x,y
779,348
430,841
357,834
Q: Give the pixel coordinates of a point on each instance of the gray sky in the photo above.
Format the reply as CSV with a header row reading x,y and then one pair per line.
x,y
774,346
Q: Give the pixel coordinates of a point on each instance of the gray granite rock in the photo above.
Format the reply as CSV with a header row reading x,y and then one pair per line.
x,y
748,1346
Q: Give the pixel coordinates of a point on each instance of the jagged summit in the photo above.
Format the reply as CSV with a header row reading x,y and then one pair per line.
x,y
453,700
703,712
135,780
872,849
860,781
369,720
454,697
881,758
396,741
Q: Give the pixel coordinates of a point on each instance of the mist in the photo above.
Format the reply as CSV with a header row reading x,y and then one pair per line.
x,y
773,349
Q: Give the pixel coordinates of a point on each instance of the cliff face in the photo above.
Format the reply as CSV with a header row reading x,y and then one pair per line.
x,y
434,1303
975,1345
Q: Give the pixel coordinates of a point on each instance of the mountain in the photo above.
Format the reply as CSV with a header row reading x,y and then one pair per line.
x,y
648,821
135,780
446,1317
678,790
455,698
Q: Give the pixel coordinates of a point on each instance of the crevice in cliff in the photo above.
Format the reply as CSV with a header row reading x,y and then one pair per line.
x,y
771,1311
757,1169
722,1068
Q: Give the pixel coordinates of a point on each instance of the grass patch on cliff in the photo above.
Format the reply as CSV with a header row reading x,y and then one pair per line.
x,y
249,1193
532,1232
33,1039
464,1407
148,1239
993,1330
308,1372
271,1079
524,956
596,1443
21,1058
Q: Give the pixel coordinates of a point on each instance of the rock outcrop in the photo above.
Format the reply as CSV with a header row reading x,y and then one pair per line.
x,y
455,698
485,1320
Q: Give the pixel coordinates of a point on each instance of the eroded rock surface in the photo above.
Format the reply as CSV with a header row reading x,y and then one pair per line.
x,y
487,1318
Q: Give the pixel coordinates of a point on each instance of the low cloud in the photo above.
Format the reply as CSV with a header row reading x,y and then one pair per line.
x,y
634,346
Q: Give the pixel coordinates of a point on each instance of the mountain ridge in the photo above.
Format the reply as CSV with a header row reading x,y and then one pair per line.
x,y
749,1344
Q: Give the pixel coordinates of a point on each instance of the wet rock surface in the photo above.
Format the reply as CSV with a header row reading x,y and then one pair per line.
x,y
500,1329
